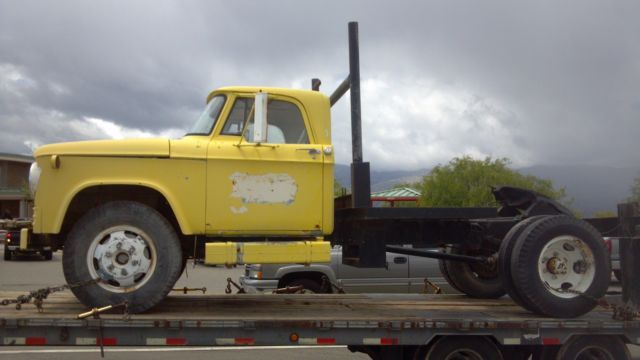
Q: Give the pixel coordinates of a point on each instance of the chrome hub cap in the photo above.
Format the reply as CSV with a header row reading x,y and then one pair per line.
x,y
566,266
123,257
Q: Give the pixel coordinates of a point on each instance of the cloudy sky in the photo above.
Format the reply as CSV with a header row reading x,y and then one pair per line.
x,y
540,82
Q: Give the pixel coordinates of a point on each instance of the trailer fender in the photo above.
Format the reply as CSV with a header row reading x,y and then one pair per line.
x,y
517,201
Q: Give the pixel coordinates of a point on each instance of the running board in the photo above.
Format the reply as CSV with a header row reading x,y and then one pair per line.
x,y
291,252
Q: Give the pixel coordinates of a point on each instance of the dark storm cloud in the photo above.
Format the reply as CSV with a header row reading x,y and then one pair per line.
x,y
539,82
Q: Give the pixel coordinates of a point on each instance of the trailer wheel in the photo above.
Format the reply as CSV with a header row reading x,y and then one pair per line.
x,y
476,280
594,347
460,347
131,248
505,253
559,266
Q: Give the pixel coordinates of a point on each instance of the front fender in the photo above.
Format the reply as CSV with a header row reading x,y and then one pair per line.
x,y
180,181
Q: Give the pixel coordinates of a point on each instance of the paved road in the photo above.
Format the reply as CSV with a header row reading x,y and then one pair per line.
x,y
33,273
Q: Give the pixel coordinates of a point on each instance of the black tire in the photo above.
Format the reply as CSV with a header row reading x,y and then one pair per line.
x,y
504,257
310,286
48,255
535,293
442,264
478,281
7,254
465,347
151,241
617,274
594,347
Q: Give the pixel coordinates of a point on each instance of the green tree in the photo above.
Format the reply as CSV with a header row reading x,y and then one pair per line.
x,y
466,182
338,189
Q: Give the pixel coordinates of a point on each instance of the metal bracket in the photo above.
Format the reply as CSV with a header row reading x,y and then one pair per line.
x,y
228,290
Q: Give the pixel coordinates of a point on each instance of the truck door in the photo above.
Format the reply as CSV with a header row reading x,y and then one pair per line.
x,y
270,188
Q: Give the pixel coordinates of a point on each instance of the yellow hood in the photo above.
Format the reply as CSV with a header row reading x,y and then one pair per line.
x,y
119,148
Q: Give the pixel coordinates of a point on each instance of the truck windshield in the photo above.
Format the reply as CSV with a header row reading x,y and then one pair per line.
x,y
209,116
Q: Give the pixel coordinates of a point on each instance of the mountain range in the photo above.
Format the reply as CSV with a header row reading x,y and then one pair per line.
x,y
593,188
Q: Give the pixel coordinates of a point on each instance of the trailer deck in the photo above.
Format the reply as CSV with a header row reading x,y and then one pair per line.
x,y
322,319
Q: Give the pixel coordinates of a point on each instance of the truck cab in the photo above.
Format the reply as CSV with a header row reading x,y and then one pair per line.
x,y
255,170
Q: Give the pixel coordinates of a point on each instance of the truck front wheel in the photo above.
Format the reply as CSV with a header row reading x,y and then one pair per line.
x,y
130,249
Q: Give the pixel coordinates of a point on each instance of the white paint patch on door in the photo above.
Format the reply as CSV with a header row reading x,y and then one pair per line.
x,y
264,189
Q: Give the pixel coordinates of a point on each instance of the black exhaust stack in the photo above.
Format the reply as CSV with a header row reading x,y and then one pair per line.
x,y
360,174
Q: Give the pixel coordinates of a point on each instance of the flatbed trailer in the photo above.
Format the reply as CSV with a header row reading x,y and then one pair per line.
x,y
381,325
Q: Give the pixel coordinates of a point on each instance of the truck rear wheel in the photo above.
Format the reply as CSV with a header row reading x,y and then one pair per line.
x,y
476,280
594,347
560,266
460,347
442,264
504,257
131,248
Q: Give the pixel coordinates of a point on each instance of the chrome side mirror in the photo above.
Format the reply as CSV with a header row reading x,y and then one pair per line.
x,y
260,119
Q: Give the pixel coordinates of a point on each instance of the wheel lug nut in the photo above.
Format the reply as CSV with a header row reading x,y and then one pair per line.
x,y
124,272
107,254
110,267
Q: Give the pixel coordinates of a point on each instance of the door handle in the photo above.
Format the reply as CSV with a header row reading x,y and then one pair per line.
x,y
400,260
311,151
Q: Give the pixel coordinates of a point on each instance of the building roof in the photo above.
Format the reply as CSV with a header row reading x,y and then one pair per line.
x,y
396,193
16,157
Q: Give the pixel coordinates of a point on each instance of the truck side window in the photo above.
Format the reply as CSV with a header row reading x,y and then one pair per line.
x,y
287,117
286,125
239,112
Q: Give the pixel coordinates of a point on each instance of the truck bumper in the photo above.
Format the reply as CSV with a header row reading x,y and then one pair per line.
x,y
253,286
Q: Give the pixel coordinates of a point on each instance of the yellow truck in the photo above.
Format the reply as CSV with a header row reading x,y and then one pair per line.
x,y
128,211
252,182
